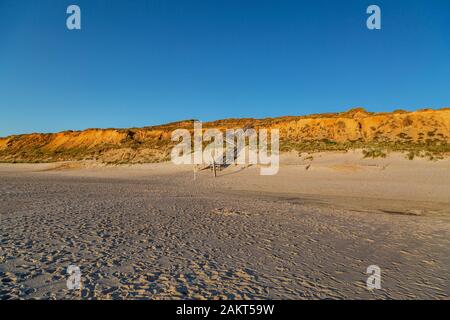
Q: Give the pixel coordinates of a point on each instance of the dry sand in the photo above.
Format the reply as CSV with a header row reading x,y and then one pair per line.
x,y
152,231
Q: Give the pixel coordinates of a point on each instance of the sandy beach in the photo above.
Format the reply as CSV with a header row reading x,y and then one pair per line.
x,y
160,231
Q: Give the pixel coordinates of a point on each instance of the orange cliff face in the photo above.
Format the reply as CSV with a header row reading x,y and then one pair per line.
x,y
153,144
358,124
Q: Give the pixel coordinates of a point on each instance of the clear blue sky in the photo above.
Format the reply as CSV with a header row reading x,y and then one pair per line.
x,y
138,63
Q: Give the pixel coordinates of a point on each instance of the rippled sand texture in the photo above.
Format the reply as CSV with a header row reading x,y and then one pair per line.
x,y
161,235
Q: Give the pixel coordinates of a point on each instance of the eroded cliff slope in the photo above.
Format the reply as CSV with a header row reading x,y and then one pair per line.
x,y
423,132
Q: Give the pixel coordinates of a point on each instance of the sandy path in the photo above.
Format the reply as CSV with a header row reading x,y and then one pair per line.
x,y
159,234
